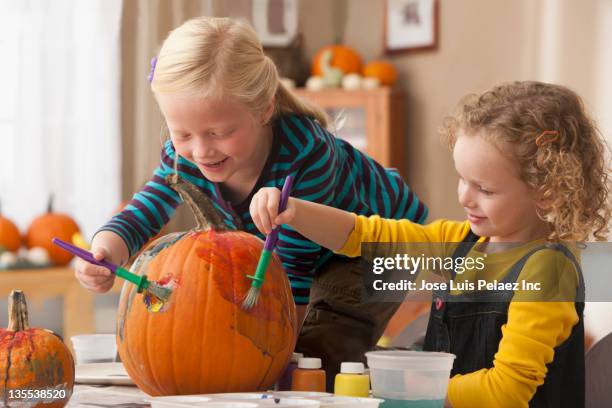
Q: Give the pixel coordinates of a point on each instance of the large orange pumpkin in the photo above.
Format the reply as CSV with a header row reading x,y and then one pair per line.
x,y
48,226
33,359
383,70
204,342
343,57
10,238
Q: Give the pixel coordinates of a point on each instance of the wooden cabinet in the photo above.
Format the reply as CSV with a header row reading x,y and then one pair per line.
x,y
374,120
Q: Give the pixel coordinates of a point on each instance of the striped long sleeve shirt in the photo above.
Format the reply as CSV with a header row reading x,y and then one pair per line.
x,y
326,169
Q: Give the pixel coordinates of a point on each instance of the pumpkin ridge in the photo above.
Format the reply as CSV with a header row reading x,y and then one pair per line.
x,y
168,266
150,350
123,330
200,330
30,337
6,375
235,296
209,294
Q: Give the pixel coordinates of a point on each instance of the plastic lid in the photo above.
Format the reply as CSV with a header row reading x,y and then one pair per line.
x,y
295,357
352,368
409,360
312,363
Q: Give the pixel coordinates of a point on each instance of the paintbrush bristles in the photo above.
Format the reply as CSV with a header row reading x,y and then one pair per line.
x,y
251,298
160,292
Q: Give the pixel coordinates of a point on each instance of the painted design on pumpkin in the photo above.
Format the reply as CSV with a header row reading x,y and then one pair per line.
x,y
155,304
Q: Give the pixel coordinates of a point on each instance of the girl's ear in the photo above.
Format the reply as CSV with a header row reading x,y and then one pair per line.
x,y
266,115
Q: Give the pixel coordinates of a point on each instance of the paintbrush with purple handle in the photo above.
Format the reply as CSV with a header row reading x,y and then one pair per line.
x,y
264,260
141,282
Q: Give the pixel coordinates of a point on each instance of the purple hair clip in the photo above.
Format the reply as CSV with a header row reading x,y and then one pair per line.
x,y
153,63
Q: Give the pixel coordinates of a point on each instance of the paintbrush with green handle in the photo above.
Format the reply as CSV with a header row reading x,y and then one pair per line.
x,y
266,255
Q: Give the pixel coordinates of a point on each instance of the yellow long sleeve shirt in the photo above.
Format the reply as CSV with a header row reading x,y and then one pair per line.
x,y
529,337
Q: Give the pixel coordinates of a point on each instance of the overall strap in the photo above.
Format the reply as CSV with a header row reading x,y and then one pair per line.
x,y
516,269
464,247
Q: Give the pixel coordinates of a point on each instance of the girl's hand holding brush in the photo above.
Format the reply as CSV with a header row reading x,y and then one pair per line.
x,y
105,246
264,210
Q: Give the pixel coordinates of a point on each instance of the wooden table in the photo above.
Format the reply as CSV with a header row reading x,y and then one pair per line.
x,y
41,284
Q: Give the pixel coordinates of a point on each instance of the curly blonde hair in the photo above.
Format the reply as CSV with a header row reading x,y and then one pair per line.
x,y
559,151
215,57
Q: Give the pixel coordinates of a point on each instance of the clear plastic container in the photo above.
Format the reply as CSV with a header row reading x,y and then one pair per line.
x,y
410,378
94,348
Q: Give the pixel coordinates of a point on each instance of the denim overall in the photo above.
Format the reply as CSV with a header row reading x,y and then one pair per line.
x,y
469,326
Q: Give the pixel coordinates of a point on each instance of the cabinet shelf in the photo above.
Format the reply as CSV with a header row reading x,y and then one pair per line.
x,y
373,120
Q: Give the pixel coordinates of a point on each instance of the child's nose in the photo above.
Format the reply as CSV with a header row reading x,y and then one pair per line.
x,y
466,198
203,148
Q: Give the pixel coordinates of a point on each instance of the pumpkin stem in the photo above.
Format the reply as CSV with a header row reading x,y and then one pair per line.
x,y
18,312
50,204
206,215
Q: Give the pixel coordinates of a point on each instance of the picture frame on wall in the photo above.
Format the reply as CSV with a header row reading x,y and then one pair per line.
x,y
410,25
276,21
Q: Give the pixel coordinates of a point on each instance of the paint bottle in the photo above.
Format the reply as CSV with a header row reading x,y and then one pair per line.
x,y
352,381
308,376
284,383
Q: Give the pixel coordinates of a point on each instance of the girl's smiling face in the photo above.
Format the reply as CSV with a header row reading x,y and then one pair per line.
x,y
220,136
498,203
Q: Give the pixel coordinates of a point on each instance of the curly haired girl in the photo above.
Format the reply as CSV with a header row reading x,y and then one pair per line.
x,y
532,171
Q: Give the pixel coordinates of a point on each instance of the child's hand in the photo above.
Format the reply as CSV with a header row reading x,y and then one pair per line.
x,y
93,277
264,210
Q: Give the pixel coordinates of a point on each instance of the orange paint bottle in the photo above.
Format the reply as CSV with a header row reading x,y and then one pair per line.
x,y
308,376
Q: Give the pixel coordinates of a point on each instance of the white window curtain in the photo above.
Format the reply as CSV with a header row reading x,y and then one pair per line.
x,y
59,109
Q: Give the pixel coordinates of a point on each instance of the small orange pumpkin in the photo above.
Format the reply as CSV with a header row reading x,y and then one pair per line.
x,y
33,359
383,70
343,57
204,342
10,238
50,225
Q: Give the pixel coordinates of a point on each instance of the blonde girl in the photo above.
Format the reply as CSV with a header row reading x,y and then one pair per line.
x,y
235,129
